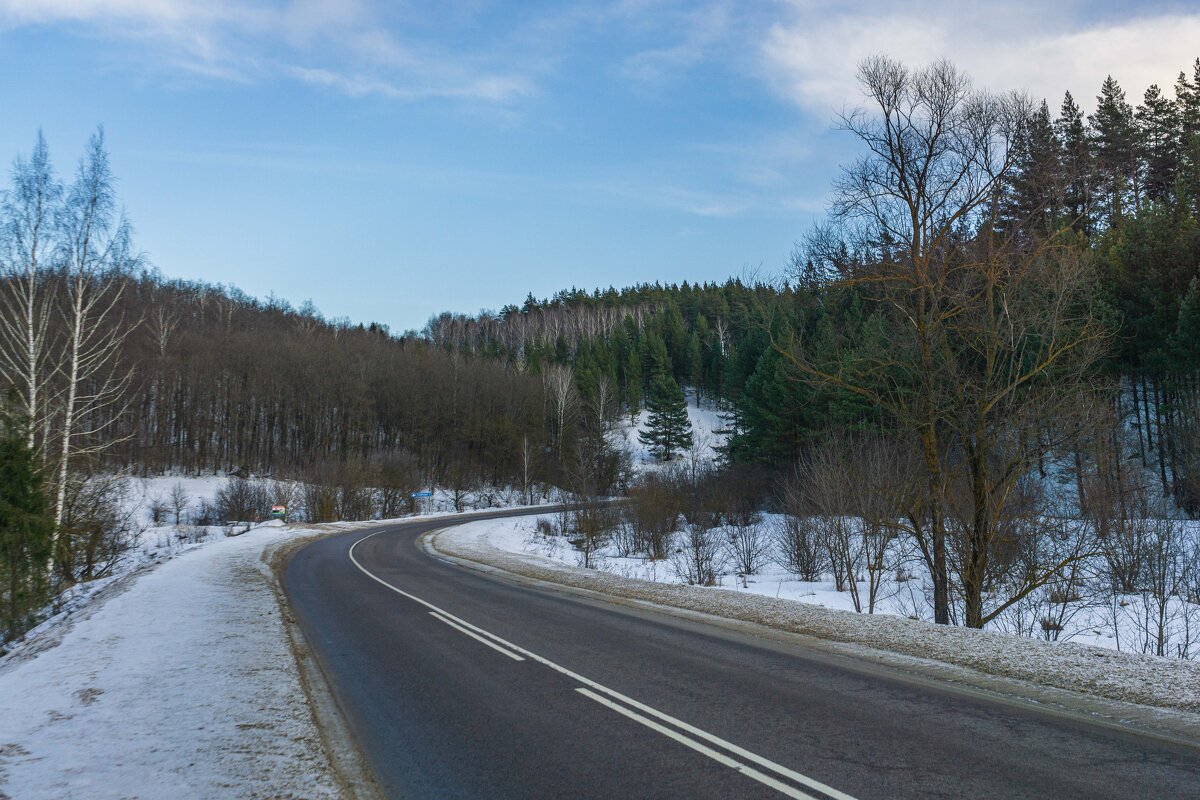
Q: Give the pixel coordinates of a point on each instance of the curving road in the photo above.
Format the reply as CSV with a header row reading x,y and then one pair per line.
x,y
459,684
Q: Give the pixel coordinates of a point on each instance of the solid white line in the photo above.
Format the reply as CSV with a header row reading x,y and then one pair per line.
x,y
765,763
719,757
476,636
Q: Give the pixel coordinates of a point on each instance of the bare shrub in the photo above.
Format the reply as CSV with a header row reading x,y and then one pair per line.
x,y
653,515
592,526
698,554
748,548
320,502
242,500
158,508
206,513
191,534
798,547
179,501
99,527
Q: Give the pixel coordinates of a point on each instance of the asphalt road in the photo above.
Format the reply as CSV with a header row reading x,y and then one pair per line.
x,y
459,684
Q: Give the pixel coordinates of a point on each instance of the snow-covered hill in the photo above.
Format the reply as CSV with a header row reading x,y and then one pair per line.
x,y
708,436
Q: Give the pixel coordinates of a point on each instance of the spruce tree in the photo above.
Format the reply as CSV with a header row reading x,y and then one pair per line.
x,y
668,428
25,527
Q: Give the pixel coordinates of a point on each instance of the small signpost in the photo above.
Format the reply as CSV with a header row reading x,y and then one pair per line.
x,y
418,497
279,512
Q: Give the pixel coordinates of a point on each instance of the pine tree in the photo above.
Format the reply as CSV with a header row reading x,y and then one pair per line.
x,y
1112,134
25,528
693,363
1034,193
668,429
1076,164
1158,137
1187,98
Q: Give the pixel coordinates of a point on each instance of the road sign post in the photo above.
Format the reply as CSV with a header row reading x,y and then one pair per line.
x,y
419,496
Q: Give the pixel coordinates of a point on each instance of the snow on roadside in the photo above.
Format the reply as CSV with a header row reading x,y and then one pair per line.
x,y
1129,677
180,684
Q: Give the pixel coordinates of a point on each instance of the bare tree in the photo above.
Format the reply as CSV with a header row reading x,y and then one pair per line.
x,y
162,324
179,500
983,337
29,238
559,381
97,256
527,456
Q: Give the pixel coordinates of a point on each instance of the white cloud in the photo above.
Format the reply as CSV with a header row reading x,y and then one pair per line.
x,y
351,46
498,88
1043,48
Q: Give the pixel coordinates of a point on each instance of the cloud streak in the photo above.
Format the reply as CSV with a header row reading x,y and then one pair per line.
x,y
350,47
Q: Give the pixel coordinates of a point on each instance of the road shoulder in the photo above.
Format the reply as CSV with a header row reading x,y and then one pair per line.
x,y
354,775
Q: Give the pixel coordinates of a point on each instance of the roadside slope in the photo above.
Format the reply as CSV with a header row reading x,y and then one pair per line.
x,y
1172,685
180,684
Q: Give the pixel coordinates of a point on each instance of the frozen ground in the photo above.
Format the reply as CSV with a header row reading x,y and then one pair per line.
x,y
174,682
770,599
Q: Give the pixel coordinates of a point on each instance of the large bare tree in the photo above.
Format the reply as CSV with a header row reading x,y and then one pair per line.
x,y
980,338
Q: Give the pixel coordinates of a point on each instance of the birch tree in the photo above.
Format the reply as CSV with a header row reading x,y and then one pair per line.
x,y
30,213
97,257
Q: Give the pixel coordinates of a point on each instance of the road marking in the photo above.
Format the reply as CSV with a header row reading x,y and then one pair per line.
x,y
719,757
754,758
476,636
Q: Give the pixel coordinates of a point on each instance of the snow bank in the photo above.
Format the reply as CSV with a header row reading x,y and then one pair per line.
x,y
176,681
1129,677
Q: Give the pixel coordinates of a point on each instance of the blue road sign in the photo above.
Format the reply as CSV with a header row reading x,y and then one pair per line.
x,y
422,494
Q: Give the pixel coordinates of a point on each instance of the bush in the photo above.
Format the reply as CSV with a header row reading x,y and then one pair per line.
x,y
242,500
98,528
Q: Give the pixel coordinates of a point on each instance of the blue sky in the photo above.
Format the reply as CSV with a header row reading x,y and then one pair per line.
x,y
392,160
